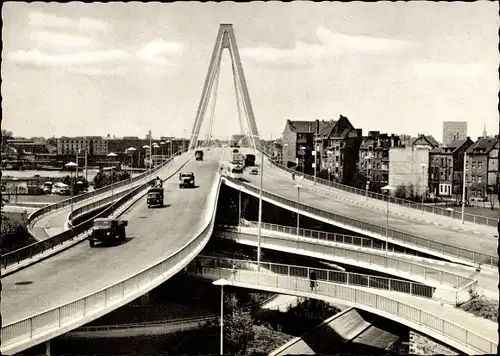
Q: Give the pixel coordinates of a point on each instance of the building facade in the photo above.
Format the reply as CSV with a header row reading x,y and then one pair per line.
x,y
94,145
454,130
482,168
408,166
374,158
446,169
339,144
424,141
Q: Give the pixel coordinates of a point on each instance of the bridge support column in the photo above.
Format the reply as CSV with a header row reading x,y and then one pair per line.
x,y
145,299
47,348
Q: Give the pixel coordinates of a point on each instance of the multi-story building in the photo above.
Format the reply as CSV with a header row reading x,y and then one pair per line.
x,y
454,130
28,145
94,145
446,169
298,143
408,167
374,158
338,143
482,167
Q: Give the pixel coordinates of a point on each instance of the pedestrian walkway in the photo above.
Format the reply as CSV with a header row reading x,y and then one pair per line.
x,y
381,206
455,327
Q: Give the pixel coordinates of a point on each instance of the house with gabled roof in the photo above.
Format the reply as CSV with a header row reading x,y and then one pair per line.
x,y
424,140
446,168
482,167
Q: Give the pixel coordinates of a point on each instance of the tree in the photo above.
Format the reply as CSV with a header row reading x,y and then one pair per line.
x,y
238,327
400,191
411,191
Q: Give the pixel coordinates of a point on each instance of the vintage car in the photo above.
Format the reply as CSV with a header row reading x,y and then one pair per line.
x,y
107,231
186,180
155,196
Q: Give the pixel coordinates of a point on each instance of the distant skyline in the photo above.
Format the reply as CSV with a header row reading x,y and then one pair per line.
x,y
124,68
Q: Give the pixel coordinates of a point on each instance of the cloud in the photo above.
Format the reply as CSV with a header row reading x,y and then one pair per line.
x,y
40,19
38,58
431,69
331,45
99,72
153,50
55,39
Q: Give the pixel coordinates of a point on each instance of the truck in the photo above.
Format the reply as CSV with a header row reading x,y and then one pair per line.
x,y
186,180
155,196
199,155
238,159
249,160
107,231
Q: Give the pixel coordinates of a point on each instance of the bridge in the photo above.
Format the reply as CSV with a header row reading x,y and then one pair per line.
x,y
162,242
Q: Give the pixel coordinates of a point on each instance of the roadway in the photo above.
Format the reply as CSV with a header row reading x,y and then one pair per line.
x,y
282,184
152,234
54,223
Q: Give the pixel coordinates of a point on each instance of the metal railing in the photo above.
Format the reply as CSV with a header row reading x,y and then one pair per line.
x,y
37,248
476,219
78,198
424,320
19,335
426,244
146,324
429,274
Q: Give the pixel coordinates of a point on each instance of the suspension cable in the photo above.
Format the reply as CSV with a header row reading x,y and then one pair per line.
x,y
214,103
236,92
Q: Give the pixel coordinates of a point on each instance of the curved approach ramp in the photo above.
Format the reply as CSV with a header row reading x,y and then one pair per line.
x,y
82,283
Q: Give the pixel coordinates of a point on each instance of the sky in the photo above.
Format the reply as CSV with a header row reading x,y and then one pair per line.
x,y
126,68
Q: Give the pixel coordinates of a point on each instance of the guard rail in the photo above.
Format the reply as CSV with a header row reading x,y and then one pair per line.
x,y
427,244
463,338
476,219
22,334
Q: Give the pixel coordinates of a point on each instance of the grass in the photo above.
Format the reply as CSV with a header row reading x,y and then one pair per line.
x,y
266,340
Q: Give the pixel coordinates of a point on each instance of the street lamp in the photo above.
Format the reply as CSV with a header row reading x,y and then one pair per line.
x,y
221,282
366,176
111,154
298,207
162,144
71,165
131,151
387,189
260,209
423,165
463,188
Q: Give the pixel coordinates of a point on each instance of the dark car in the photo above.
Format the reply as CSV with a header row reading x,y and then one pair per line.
x,y
186,180
108,231
155,196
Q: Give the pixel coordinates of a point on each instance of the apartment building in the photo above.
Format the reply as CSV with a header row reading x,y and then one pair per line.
x,y
446,168
374,158
482,167
94,145
424,141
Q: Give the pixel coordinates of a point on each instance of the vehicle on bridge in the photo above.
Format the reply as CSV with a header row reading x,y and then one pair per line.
x,y
249,160
155,196
186,180
107,231
254,171
47,187
234,171
199,155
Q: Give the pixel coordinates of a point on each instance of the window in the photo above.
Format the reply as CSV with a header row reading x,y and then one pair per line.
x,y
479,179
473,164
473,179
479,165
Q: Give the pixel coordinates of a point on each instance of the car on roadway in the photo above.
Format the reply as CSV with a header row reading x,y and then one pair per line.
x,y
107,231
254,171
186,180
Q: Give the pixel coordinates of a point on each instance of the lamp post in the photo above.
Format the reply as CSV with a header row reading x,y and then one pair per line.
x,y
71,165
387,189
131,151
162,144
221,282
260,210
366,176
463,186
423,165
112,154
298,207
239,205
303,150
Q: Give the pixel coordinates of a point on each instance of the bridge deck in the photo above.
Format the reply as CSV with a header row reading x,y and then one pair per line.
x,y
284,186
152,234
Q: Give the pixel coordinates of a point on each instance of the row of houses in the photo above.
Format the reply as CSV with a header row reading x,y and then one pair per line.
x,y
378,159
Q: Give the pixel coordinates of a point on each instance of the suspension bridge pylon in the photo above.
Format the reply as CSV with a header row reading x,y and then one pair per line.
x,y
225,40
